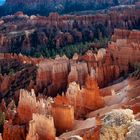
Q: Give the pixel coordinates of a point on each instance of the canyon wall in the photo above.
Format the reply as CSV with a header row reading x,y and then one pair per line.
x,y
38,35
105,65
81,109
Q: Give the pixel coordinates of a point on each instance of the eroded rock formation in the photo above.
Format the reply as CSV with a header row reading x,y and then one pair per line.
x,y
133,131
63,114
76,80
41,128
32,34
123,40
14,132
28,104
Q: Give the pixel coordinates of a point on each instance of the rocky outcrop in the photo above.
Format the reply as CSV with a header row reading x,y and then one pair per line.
x,y
74,95
122,95
119,120
14,132
35,35
41,128
133,131
50,71
115,124
78,73
86,99
29,111
46,72
28,105
104,65
61,108
91,95
123,40
118,124
76,80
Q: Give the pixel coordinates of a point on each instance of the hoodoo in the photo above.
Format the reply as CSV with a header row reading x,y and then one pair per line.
x,y
70,70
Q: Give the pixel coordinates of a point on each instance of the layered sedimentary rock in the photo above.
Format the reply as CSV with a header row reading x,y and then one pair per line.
x,y
78,73
17,125
123,40
107,74
63,114
46,72
50,71
91,95
77,81
28,104
86,99
122,95
75,98
105,66
41,128
19,31
14,132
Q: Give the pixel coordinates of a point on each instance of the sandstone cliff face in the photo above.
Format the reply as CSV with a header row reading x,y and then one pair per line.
x,y
67,70
123,40
50,71
14,132
105,66
79,72
63,114
41,128
86,99
75,97
28,105
46,72
91,95
29,111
